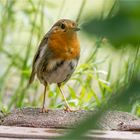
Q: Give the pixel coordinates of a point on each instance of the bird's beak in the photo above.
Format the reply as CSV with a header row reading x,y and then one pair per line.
x,y
76,29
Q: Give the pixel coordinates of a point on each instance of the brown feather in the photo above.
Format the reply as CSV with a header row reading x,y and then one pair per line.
x,y
42,43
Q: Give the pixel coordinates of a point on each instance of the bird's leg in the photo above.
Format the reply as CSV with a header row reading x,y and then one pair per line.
x,y
68,109
43,110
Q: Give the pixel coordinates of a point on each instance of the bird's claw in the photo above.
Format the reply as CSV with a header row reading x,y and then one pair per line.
x,y
43,110
68,109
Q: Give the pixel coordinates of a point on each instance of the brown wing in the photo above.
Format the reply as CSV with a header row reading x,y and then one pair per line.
x,y
43,42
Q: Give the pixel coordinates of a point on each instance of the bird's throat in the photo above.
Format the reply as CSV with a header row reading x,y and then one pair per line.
x,y
64,47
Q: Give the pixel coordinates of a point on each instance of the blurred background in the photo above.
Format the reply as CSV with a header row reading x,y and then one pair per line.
x,y
109,38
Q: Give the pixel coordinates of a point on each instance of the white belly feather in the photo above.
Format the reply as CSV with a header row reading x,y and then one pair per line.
x,y
58,71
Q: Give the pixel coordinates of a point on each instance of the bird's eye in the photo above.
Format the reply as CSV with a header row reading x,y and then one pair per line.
x,y
63,26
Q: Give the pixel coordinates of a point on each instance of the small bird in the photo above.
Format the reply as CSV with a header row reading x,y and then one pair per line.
x,y
57,56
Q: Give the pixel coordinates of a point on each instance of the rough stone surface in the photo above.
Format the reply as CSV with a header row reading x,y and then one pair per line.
x,y
31,117
117,120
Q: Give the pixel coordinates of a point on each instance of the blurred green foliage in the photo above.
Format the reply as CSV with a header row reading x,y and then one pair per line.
x,y
122,28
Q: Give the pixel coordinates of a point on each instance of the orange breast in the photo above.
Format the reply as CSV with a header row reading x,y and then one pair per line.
x,y
64,46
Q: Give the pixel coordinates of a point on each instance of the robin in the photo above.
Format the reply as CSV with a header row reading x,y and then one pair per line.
x,y
57,56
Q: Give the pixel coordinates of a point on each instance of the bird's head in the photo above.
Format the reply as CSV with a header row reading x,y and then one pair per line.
x,y
65,26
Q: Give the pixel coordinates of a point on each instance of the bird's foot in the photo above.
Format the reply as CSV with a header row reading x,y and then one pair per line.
x,y
43,110
68,109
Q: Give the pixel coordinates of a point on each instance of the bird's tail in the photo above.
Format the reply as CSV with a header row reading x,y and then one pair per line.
x,y
31,78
